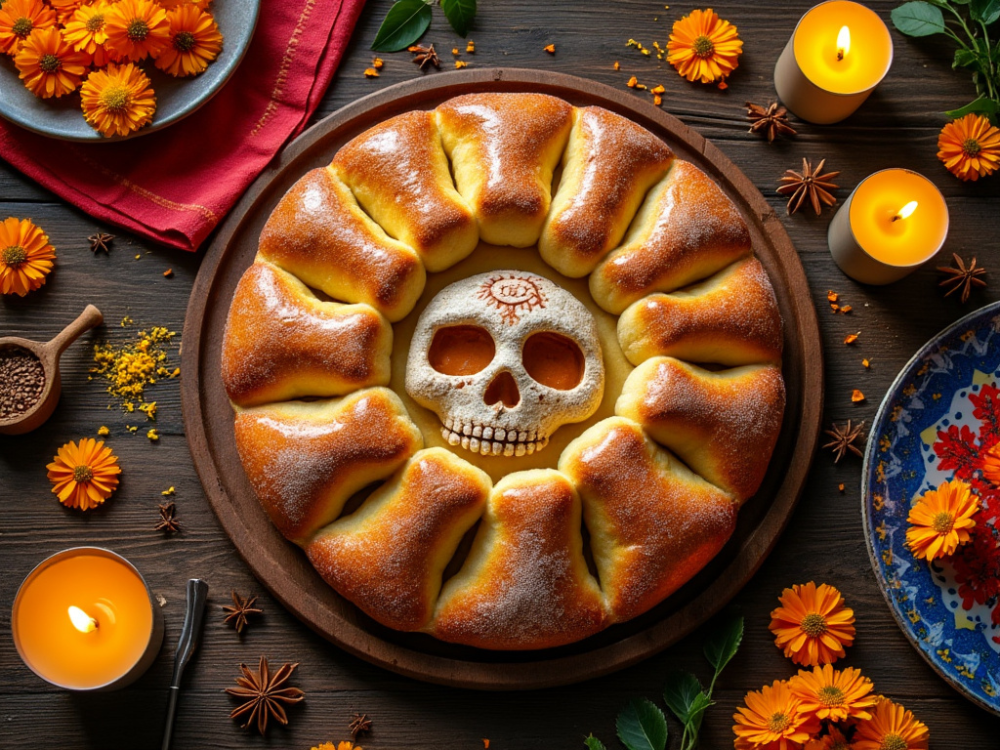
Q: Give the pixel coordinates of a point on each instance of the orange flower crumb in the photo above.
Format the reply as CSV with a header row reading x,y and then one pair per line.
x,y
857,396
632,82
657,100
658,89
866,364
618,65
550,48
168,273
852,337
377,63
470,47
371,73
846,309
461,64
832,296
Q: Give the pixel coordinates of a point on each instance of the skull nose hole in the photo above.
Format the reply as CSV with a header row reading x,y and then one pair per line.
x,y
553,360
503,389
461,350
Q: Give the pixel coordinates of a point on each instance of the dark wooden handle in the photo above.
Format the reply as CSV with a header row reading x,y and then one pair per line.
x,y
89,318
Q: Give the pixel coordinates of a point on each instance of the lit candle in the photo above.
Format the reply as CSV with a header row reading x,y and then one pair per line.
x,y
84,619
838,54
892,222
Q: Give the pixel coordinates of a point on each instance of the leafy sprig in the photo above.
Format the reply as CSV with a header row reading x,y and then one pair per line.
x,y
642,725
968,24
408,20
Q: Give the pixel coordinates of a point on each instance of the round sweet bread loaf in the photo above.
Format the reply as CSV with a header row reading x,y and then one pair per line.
x,y
425,410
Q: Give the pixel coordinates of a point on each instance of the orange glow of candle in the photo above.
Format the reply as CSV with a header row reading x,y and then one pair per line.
x,y
843,42
893,235
84,619
823,55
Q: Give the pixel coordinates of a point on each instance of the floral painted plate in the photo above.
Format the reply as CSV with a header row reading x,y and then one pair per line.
x,y
935,424
176,98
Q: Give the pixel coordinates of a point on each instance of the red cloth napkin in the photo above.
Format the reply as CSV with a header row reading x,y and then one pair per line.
x,y
175,185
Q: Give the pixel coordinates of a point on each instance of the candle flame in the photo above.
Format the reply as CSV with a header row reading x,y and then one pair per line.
x,y
905,211
843,42
81,620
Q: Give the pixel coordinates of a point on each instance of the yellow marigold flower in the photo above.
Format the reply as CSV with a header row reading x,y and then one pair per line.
x,y
940,520
137,29
991,465
833,694
84,476
772,717
970,147
118,99
48,65
891,727
834,740
194,42
812,625
25,256
703,47
18,18
85,31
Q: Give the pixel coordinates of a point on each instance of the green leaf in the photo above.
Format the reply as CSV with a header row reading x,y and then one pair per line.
x,y
723,642
965,58
593,743
698,708
982,106
680,692
404,24
985,11
642,726
918,18
460,14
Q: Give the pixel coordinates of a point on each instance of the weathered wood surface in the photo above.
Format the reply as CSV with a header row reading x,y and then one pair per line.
x,y
897,127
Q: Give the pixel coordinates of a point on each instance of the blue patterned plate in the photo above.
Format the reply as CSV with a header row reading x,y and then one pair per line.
x,y
939,417
176,98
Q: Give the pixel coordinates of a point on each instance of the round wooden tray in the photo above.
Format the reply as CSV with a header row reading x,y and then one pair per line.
x,y
282,567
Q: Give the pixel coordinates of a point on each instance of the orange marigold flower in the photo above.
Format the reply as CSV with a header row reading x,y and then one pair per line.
x,y
48,65
117,100
84,476
86,32
194,42
137,29
940,520
18,18
772,718
833,694
812,625
65,8
970,147
703,47
892,727
991,465
25,256
834,740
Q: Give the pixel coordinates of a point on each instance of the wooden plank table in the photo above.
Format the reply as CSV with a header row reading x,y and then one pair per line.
x,y
897,127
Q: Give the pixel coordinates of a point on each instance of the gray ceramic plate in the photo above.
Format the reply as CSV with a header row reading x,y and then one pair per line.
x,y
176,98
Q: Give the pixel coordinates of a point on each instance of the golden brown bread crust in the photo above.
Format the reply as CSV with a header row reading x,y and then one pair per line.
x,y
609,164
504,149
399,173
724,424
318,233
304,459
282,342
388,556
525,584
686,230
653,524
730,319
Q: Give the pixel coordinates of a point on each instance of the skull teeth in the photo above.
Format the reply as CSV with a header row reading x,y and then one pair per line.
x,y
492,442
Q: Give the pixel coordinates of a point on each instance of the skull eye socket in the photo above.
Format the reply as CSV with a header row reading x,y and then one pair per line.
x,y
553,360
461,350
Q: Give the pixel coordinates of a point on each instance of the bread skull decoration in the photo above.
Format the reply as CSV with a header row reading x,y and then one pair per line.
x,y
505,359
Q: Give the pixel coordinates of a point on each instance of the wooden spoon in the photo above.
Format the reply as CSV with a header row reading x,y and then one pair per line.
x,y
48,354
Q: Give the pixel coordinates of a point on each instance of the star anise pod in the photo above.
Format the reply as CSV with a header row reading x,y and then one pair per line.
x,y
359,725
844,438
241,609
964,277
773,120
168,522
100,241
424,56
263,694
810,183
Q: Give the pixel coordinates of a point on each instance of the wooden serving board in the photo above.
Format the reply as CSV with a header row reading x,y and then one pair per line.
x,y
283,568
